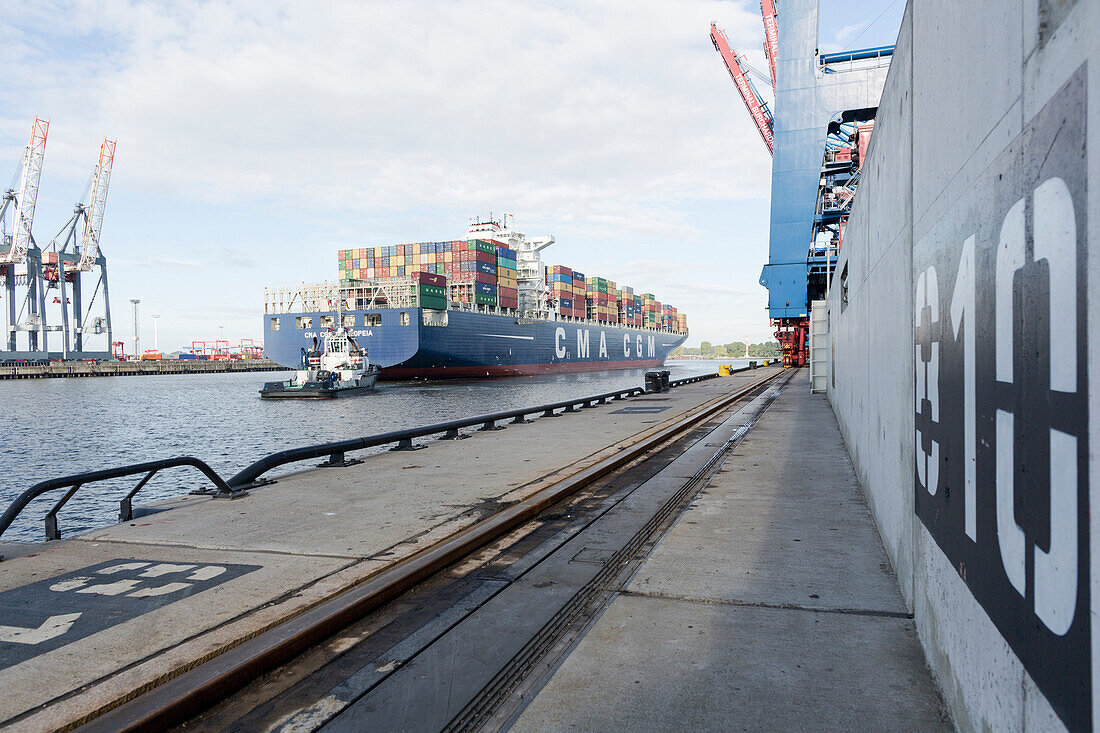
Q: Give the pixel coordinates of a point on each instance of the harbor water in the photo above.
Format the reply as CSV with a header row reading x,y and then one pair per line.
x,y
90,424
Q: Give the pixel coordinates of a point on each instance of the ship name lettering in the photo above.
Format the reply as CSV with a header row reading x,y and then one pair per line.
x,y
639,352
626,345
652,346
603,345
559,342
582,343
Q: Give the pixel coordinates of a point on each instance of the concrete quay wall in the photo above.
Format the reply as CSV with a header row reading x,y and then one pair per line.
x,y
70,369
963,351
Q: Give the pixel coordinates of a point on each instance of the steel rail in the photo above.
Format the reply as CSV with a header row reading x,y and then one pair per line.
x,y
182,697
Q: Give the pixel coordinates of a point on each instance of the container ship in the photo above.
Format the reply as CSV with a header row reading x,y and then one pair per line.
x,y
477,307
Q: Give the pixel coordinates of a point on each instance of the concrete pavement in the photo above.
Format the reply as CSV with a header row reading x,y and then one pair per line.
x,y
90,621
769,605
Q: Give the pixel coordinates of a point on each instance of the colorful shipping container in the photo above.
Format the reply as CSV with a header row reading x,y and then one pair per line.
x,y
489,272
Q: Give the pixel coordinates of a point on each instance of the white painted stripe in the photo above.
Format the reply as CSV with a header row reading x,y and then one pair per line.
x,y
504,336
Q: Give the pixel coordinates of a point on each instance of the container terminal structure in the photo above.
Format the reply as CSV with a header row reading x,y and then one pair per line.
x,y
817,133
46,289
948,316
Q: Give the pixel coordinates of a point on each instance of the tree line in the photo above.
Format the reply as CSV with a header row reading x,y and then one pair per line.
x,y
734,350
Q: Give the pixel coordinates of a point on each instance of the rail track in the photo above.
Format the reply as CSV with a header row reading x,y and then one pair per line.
x,y
314,669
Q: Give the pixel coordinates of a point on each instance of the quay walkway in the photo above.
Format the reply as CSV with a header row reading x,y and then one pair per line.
x,y
769,605
764,601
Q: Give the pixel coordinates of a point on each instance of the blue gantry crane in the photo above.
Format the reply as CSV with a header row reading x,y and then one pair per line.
x,y
818,127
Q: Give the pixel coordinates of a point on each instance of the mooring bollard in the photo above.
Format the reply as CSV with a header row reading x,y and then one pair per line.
x,y
652,382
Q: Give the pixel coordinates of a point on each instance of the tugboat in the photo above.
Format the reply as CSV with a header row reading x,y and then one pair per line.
x,y
340,369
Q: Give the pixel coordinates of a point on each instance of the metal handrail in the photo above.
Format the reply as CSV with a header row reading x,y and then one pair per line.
x,y
403,438
251,476
76,481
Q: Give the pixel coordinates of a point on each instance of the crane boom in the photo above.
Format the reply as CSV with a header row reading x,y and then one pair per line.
x,y
33,158
93,219
771,34
758,109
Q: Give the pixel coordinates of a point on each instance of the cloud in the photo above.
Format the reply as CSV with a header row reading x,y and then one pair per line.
x,y
161,263
610,124
370,106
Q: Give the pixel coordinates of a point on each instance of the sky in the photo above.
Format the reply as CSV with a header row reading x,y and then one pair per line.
x,y
255,139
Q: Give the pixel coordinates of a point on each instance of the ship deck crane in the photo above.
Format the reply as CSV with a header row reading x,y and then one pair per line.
x,y
758,108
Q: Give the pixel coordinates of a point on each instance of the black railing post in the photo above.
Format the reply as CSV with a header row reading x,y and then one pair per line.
x,y
53,532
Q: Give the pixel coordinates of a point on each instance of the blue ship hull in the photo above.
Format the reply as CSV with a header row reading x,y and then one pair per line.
x,y
471,344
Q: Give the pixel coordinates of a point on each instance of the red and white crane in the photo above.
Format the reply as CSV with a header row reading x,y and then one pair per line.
x,y
771,34
758,108
97,203
33,158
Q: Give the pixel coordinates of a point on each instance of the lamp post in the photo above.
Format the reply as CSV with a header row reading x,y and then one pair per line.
x,y
137,327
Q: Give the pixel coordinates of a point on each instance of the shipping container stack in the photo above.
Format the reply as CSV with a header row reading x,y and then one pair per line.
x,y
649,310
599,306
431,290
626,306
400,260
507,278
484,272
580,292
560,280
483,264
469,272
668,318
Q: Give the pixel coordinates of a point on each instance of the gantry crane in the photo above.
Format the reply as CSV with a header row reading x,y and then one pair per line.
x,y
75,254
30,271
830,99
19,245
758,108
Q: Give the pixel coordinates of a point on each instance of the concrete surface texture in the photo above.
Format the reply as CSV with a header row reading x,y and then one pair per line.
x,y
956,142
769,605
95,618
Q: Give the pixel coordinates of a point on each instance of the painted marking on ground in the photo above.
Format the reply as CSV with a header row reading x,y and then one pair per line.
x,y
49,614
